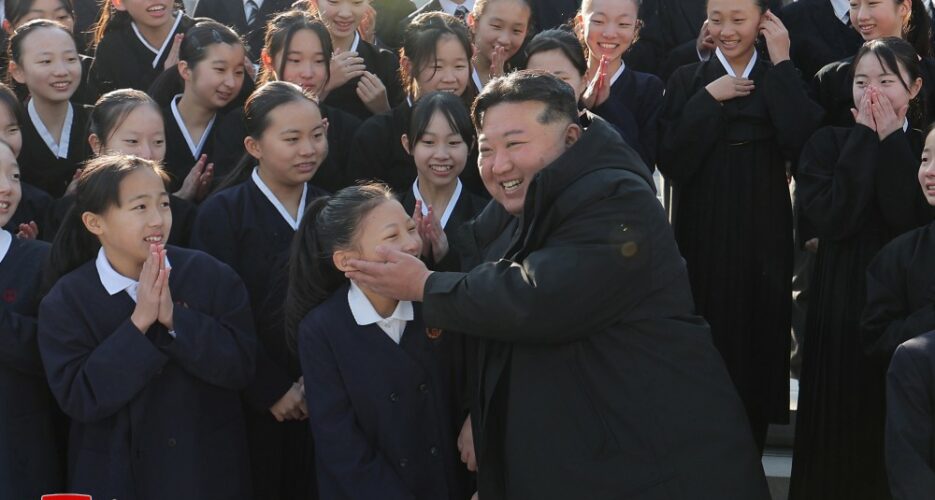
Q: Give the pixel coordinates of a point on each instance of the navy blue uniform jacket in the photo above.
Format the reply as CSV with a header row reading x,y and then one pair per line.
x,y
30,448
380,412
910,419
152,417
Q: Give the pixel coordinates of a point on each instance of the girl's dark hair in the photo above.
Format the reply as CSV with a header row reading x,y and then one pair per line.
x,y
15,50
193,50
578,23
330,223
112,19
279,34
256,120
917,30
450,106
421,39
563,41
18,9
112,109
97,190
893,53
13,104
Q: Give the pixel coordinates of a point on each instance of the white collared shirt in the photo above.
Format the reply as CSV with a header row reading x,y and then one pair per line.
x,y
449,7
478,84
194,148
292,221
842,10
613,79
730,70
259,5
6,240
356,42
365,314
905,124
451,203
165,43
60,148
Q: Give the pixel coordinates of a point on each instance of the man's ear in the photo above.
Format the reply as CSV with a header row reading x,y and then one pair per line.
x,y
572,134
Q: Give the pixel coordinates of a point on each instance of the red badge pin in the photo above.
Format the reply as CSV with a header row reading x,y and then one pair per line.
x,y
433,333
9,295
66,496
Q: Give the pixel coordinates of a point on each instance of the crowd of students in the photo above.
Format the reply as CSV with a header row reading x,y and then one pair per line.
x,y
183,199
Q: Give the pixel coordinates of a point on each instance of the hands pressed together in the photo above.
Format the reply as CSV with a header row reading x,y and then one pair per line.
x,y
153,298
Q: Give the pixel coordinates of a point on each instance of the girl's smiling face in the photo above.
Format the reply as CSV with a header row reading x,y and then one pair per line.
x,y
387,224
153,14
10,132
10,189
142,218
927,169
504,23
610,27
342,17
450,71
555,62
870,72
734,26
875,19
215,80
440,154
49,65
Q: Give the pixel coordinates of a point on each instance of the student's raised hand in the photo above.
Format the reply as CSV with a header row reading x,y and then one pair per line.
x,y
888,120
173,58
149,291
777,37
863,114
434,239
345,66
705,43
729,87
498,61
372,93
198,181
28,231
291,406
599,88
466,445
400,275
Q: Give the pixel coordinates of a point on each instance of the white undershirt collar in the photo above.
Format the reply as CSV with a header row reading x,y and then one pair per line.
x,y
60,148
619,72
165,43
477,81
195,149
6,240
365,314
842,9
293,222
451,203
113,281
730,70
450,7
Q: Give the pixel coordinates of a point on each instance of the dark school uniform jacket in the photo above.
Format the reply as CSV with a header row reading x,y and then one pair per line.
x,y
122,61
379,411
582,375
377,153
231,13
40,166
331,175
910,419
153,417
381,63
633,107
900,292
818,37
31,449
179,159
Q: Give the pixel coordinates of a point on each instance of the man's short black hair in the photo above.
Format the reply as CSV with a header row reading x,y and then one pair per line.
x,y
521,86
